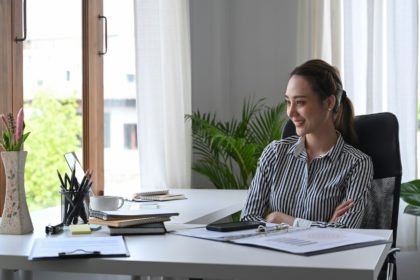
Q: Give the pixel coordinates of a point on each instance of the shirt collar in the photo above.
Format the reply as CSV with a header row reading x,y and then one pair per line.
x,y
299,151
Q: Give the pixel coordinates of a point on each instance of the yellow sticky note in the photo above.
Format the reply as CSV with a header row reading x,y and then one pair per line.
x,y
80,229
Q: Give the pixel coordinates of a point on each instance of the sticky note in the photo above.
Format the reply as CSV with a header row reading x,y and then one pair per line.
x,y
80,229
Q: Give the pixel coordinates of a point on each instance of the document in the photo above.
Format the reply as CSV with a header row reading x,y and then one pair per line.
x,y
78,247
308,241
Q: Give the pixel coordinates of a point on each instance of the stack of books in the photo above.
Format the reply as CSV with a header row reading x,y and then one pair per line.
x,y
130,222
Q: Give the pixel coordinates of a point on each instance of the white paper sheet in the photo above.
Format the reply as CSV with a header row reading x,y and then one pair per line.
x,y
52,247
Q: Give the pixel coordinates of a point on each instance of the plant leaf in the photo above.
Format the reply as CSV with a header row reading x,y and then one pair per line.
x,y
412,210
227,152
410,192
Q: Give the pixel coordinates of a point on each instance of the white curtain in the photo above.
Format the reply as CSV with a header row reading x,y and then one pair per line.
x,y
163,92
377,57
380,74
319,31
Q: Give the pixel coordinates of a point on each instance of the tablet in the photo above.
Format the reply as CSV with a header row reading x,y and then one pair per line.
x,y
74,163
232,226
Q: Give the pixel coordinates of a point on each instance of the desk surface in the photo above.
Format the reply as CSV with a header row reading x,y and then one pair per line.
x,y
180,256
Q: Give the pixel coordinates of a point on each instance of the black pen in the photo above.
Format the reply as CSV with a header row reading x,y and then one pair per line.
x,y
61,179
67,179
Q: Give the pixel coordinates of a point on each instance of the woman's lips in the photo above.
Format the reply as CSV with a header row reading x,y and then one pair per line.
x,y
298,123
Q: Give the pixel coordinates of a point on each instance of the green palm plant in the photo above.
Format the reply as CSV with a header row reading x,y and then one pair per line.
x,y
228,152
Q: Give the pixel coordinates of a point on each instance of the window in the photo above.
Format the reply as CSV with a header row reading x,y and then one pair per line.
x,y
51,100
121,164
107,130
130,136
28,68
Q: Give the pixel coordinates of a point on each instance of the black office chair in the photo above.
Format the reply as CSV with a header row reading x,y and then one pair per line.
x,y
378,137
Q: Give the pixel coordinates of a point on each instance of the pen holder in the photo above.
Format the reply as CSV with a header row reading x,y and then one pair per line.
x,y
74,207
75,198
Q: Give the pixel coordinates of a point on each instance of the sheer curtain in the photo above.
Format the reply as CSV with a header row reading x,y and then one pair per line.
x,y
378,62
319,29
380,74
163,92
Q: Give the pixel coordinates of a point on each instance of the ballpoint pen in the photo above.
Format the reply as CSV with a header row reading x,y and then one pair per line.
x,y
265,229
261,230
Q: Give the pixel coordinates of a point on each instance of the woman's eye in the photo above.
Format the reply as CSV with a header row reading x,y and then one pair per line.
x,y
299,102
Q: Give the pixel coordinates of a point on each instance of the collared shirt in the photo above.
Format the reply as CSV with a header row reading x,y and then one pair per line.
x,y
287,182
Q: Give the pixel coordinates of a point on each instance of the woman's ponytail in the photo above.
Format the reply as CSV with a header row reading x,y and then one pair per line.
x,y
344,118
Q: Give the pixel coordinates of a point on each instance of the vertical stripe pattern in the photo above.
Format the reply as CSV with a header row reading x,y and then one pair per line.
x,y
287,183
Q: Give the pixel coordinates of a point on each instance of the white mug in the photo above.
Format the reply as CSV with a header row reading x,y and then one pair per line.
x,y
106,203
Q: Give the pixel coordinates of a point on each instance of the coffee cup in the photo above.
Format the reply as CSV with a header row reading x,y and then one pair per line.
x,y
106,203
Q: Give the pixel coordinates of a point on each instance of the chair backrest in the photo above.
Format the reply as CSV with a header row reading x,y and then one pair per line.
x,y
378,137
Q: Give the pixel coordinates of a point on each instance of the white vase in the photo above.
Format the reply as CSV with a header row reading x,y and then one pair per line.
x,y
15,217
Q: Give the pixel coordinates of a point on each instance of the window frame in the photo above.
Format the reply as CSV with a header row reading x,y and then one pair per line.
x,y
11,82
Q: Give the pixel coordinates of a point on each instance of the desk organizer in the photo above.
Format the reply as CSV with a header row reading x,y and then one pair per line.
x,y
75,198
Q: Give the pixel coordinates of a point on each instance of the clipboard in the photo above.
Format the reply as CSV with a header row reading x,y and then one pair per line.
x,y
78,247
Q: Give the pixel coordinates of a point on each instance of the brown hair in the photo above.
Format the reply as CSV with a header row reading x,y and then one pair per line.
x,y
325,81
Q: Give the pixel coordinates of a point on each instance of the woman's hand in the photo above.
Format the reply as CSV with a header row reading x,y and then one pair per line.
x,y
279,217
341,210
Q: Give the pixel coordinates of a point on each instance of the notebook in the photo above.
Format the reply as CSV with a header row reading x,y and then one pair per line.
x,y
159,197
153,228
128,222
154,192
132,214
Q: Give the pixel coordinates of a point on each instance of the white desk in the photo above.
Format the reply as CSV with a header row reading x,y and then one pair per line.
x,y
204,206
179,256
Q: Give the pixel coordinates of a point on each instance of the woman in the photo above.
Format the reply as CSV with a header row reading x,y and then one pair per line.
x,y
317,176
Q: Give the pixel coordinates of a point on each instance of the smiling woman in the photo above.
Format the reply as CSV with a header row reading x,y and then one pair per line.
x,y
315,178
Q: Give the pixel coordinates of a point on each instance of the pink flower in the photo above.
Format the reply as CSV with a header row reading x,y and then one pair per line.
x,y
19,125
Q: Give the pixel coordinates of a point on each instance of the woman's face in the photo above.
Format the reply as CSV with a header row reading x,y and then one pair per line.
x,y
304,107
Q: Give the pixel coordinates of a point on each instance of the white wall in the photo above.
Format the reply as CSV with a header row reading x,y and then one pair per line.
x,y
240,48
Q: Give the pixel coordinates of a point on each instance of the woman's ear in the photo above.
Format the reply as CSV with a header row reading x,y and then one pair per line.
x,y
331,102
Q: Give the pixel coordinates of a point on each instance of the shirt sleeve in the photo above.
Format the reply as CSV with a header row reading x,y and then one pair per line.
x,y
358,183
257,202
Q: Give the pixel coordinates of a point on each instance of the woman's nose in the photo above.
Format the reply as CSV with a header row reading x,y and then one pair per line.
x,y
291,110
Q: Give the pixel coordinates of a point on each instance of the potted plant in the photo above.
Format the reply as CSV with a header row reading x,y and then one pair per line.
x,y
228,152
16,218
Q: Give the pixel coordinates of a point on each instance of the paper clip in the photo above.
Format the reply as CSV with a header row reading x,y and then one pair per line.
x,y
78,253
266,229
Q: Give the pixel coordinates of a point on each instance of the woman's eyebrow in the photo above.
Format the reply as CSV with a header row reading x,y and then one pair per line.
x,y
295,97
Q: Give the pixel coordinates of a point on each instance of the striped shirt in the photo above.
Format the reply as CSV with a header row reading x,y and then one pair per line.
x,y
286,182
